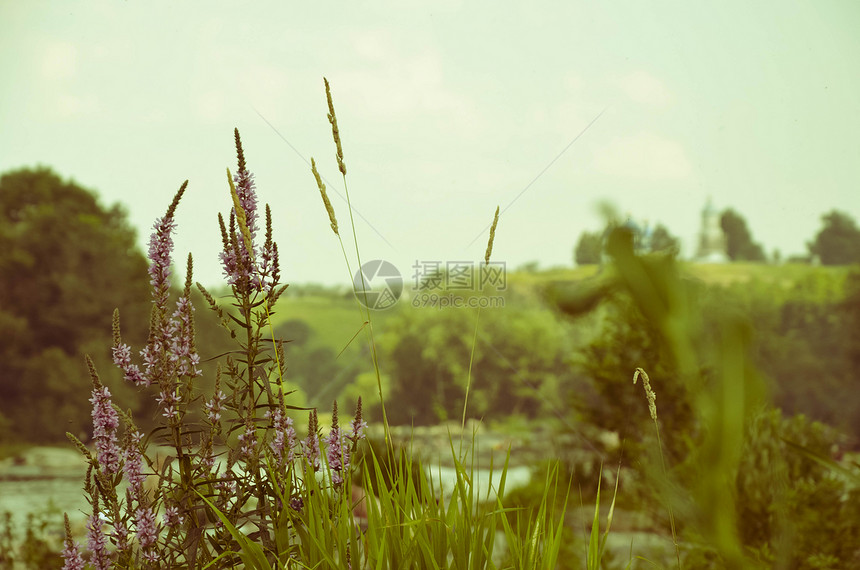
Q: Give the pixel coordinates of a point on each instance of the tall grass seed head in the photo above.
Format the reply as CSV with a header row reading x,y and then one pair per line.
x,y
326,202
492,237
335,132
649,392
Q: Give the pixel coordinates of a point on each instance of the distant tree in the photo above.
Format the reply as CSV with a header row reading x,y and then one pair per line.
x,y
520,364
295,331
662,241
739,243
838,242
588,248
65,263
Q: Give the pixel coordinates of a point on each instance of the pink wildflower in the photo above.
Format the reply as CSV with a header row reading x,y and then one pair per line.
x,y
105,422
147,531
72,556
97,544
133,465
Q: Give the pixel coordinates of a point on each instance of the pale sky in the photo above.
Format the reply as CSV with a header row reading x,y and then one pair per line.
x,y
446,109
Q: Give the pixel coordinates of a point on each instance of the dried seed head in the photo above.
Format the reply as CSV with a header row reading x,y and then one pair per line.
x,y
649,392
328,207
332,118
492,237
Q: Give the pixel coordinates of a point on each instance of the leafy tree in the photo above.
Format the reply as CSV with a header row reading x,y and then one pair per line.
x,y
838,242
520,363
739,242
295,331
663,241
65,263
588,248
790,508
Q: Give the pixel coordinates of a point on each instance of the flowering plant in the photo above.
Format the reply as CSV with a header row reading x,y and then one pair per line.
x,y
240,472
239,485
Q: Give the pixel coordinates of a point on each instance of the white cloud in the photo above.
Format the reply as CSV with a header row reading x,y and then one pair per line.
x,y
644,88
395,83
644,156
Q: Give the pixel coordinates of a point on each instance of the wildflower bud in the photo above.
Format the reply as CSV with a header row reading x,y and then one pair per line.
x,y
358,424
312,443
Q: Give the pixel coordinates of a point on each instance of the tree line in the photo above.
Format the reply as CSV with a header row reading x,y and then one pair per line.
x,y
66,261
836,243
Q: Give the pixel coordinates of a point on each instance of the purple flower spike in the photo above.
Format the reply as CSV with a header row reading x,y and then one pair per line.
x,y
312,442
172,517
182,350
147,532
312,450
133,465
72,556
160,247
168,400
240,270
248,441
120,533
338,457
71,551
358,425
105,423
130,372
245,189
285,438
97,543
213,406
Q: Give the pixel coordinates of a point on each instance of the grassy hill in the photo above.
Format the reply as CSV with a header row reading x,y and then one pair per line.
x,y
335,319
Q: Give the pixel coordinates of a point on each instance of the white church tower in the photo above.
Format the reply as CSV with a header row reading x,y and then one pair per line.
x,y
712,240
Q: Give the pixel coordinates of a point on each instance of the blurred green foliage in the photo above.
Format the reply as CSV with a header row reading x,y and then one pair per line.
x,y
806,341
35,544
589,248
739,242
65,263
742,494
520,367
792,511
838,242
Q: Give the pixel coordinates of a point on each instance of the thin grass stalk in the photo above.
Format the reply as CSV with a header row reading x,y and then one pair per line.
x,y
332,117
368,319
477,319
652,409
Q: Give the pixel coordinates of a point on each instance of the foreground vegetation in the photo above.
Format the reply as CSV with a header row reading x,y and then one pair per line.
x,y
700,457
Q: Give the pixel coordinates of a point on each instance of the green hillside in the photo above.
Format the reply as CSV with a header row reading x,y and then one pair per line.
x,y
335,319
